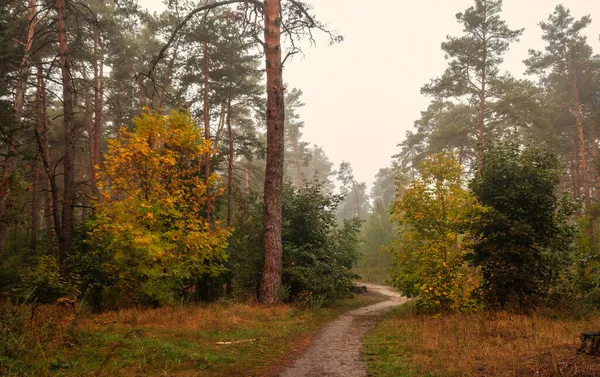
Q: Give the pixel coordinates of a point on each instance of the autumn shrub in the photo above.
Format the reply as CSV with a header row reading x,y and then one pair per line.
x,y
43,284
150,232
433,216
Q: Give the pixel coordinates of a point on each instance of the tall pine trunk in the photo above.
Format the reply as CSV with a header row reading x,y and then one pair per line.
x,y
272,218
8,165
482,97
35,202
51,211
205,72
66,238
98,104
229,161
581,140
595,159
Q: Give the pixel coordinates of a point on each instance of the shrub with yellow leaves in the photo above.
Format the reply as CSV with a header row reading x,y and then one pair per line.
x,y
151,216
433,216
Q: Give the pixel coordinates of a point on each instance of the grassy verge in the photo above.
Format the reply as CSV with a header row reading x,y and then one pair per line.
x,y
176,341
408,344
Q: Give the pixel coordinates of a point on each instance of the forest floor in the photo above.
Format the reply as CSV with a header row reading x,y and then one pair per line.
x,y
498,344
336,349
217,339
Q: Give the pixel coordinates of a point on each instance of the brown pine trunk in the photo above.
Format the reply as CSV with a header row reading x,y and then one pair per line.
x,y
66,238
8,165
206,107
88,190
51,212
356,199
594,150
247,180
575,182
206,123
482,97
271,279
581,140
98,104
24,66
229,162
35,202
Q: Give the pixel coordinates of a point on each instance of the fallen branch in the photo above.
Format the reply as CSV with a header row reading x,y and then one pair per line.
x,y
238,341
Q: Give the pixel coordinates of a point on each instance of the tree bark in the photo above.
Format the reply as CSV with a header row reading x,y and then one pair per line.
x,y
206,123
35,202
482,97
51,212
66,238
595,160
8,165
98,105
229,161
575,181
271,279
581,140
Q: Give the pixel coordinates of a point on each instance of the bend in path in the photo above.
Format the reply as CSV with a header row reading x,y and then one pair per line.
x,y
336,350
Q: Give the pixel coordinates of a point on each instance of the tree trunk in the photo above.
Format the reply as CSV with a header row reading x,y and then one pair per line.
x,y
206,124
66,238
575,180
482,97
41,133
88,190
247,180
356,199
595,160
581,140
8,165
35,202
98,104
229,162
271,279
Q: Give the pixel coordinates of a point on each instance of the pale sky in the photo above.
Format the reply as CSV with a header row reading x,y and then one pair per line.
x,y
364,94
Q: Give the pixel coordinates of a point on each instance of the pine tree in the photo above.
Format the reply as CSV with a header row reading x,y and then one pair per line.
x,y
475,57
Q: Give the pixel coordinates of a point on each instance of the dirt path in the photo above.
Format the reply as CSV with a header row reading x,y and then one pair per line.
x,y
336,350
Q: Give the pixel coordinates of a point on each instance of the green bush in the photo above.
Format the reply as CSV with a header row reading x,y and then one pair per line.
x,y
318,254
522,239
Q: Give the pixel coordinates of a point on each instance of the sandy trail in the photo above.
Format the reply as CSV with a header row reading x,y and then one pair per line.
x,y
336,350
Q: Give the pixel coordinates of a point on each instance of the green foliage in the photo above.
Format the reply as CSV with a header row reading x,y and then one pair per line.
x,y
318,254
44,284
521,238
376,235
434,216
151,219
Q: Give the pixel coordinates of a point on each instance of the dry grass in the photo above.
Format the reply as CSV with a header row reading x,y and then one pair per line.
x,y
485,344
169,341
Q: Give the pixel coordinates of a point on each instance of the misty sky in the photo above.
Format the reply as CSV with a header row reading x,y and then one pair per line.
x,y
364,94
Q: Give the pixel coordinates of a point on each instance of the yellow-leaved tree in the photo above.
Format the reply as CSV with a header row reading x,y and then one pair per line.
x,y
433,215
150,221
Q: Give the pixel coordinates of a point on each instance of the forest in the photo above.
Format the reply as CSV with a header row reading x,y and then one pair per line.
x,y
162,213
